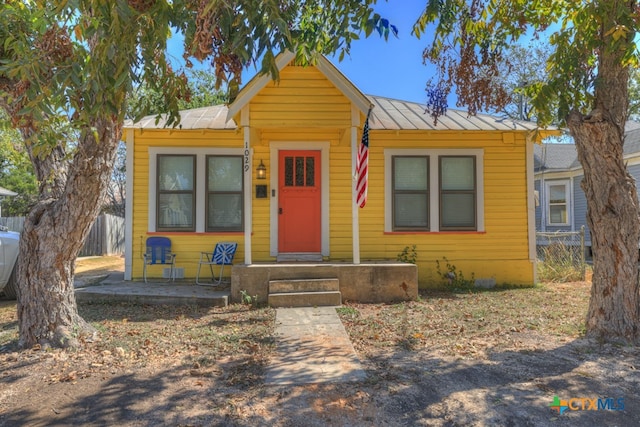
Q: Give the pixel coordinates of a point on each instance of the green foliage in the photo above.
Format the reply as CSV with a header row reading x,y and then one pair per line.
x,y
408,255
248,299
454,279
634,94
347,311
471,39
202,93
16,172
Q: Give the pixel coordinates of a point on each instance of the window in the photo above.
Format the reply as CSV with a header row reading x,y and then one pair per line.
x,y
434,190
196,189
410,193
457,193
224,193
557,196
175,198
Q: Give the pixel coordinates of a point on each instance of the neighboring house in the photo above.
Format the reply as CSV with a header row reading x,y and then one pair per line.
x,y
561,203
461,189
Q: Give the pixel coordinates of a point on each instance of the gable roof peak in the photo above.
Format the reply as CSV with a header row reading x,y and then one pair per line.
x,y
284,59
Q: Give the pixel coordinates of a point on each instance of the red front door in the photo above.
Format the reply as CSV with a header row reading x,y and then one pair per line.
x,y
299,201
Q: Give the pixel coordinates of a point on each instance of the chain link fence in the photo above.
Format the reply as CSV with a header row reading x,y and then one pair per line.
x,y
561,256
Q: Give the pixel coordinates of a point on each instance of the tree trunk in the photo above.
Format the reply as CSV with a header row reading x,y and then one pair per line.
x,y
612,207
54,232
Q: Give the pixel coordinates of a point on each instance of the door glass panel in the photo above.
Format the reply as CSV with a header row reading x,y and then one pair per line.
x,y
311,172
288,171
299,171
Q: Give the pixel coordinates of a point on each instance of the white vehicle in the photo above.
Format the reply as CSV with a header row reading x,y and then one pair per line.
x,y
8,255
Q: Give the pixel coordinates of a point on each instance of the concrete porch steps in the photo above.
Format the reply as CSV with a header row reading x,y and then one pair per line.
x,y
304,293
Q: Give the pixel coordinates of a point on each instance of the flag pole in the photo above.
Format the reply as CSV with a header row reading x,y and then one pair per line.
x,y
357,163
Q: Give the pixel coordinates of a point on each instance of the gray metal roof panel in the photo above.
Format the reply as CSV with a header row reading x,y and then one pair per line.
x,y
394,114
555,156
388,114
213,117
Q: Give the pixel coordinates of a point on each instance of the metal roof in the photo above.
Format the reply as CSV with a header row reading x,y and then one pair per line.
x,y
555,157
393,114
387,114
559,157
5,192
214,117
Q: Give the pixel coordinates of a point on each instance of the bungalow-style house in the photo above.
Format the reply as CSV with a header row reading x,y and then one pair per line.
x,y
561,203
460,189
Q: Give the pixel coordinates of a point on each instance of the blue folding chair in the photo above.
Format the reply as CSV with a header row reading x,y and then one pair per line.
x,y
159,253
222,255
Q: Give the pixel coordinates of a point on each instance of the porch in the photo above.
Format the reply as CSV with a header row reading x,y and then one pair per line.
x,y
369,282
372,282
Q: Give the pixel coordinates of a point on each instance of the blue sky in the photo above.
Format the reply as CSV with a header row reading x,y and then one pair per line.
x,y
392,69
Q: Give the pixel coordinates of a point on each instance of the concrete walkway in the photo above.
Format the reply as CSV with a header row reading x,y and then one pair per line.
x,y
312,346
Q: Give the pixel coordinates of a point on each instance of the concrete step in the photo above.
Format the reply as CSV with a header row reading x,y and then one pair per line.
x,y
305,299
303,285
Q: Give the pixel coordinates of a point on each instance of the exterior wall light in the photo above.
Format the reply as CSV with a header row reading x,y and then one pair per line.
x,y
261,171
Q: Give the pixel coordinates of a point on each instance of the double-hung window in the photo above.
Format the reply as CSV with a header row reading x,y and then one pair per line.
x,y
434,190
196,190
224,193
411,192
558,201
176,192
457,192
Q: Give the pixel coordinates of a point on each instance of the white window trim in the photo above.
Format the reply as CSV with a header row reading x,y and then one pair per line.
x,y
200,190
434,193
547,202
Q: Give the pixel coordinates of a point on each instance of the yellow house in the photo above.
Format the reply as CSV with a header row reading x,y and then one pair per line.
x,y
460,190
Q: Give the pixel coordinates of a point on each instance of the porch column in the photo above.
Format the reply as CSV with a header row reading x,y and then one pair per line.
x,y
128,207
355,219
248,183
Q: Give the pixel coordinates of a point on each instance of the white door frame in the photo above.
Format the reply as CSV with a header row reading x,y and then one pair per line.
x,y
323,147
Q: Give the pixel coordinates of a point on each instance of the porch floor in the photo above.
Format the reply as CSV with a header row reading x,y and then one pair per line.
x,y
183,292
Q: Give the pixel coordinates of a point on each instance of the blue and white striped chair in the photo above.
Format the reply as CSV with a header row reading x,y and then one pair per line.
x,y
222,255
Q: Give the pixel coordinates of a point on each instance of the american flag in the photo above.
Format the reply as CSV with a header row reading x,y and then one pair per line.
x,y
362,165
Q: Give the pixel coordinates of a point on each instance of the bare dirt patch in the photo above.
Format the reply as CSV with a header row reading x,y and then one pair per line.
x,y
489,358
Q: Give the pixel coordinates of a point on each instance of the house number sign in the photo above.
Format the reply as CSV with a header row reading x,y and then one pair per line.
x,y
246,156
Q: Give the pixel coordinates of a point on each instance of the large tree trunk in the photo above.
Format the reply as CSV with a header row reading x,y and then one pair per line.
x,y
612,207
54,233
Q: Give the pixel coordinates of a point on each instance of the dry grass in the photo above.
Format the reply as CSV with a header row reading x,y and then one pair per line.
x,y
460,324
210,363
95,266
469,324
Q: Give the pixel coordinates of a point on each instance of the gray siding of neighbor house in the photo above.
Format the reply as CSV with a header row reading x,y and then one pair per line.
x,y
580,208
634,170
536,186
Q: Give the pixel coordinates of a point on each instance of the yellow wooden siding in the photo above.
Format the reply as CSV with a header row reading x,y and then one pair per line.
x,y
304,97
500,252
187,246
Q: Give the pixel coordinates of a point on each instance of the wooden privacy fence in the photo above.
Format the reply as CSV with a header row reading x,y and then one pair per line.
x,y
106,237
